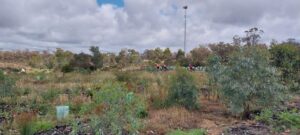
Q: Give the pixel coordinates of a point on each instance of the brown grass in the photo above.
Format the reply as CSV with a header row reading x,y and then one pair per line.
x,y
24,118
212,117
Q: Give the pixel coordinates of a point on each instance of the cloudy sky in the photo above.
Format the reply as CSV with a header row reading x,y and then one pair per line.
x,y
140,24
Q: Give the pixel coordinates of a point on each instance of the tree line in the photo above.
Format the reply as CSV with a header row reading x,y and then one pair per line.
x,y
284,55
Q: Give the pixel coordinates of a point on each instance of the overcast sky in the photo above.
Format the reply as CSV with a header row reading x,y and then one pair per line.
x,y
140,24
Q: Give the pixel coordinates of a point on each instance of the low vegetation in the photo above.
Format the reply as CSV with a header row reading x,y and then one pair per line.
x,y
281,121
204,91
183,90
248,82
191,132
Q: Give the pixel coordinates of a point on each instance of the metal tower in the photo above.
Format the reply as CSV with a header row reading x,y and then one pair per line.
x,y
185,19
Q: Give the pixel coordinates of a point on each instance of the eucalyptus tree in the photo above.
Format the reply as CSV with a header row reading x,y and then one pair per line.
x,y
248,81
97,57
253,35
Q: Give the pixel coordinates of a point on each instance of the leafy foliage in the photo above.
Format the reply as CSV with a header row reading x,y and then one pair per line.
x,y
223,50
253,35
97,57
290,119
81,61
266,116
248,81
287,58
214,70
181,59
199,56
183,90
280,121
62,58
118,110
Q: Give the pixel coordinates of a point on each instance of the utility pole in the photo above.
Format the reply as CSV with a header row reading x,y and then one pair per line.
x,y
185,18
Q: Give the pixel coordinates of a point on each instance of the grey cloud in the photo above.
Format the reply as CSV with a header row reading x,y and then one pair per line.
x,y
141,24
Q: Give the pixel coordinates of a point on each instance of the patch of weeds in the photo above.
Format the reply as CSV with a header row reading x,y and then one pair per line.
x,y
118,111
280,121
50,94
289,119
41,125
266,116
190,132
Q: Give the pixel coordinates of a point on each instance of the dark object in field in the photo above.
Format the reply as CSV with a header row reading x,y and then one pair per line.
x,y
2,119
164,67
157,66
206,92
191,67
161,67
4,107
253,129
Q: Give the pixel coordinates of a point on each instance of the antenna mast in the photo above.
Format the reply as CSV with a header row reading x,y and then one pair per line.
x,y
185,19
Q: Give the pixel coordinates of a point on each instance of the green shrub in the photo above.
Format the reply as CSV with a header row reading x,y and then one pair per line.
x,y
290,120
266,116
183,90
280,121
119,110
67,69
190,132
248,81
7,85
286,58
214,70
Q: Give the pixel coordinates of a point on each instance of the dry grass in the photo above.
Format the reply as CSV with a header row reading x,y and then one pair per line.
x,y
62,82
5,65
24,118
211,116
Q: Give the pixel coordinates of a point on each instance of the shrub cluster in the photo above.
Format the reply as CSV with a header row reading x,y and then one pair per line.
x,y
117,111
248,81
280,121
183,90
